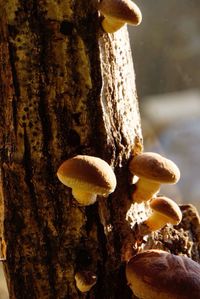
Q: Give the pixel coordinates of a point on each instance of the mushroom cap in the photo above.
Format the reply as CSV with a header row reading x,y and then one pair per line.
x,y
122,10
85,280
90,174
158,274
167,207
154,167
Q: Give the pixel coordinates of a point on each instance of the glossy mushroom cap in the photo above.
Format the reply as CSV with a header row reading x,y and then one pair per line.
x,y
153,166
152,170
119,12
164,211
156,274
87,176
167,207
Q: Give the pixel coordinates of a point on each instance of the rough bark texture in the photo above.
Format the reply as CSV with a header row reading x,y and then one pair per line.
x,y
66,88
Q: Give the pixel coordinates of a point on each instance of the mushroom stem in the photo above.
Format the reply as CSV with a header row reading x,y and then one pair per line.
x,y
84,198
164,210
88,177
156,221
119,12
153,170
145,190
110,25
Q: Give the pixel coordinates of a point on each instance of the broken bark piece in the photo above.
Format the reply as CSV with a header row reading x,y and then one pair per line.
x,y
181,239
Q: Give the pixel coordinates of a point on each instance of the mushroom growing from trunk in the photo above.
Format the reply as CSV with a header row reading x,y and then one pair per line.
x,y
88,177
164,211
118,12
85,280
152,170
156,274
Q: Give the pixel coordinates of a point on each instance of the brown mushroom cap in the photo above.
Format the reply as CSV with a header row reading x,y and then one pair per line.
x,y
122,10
154,167
167,208
156,274
85,280
90,174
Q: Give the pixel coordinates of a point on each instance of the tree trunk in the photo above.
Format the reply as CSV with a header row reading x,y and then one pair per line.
x,y
66,88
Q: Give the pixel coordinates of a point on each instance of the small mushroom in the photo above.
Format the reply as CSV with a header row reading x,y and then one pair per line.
x,y
85,280
156,274
118,12
88,177
152,170
165,211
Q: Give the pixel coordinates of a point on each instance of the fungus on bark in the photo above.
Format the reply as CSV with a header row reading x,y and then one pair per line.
x,y
119,12
158,274
165,211
85,280
152,170
88,177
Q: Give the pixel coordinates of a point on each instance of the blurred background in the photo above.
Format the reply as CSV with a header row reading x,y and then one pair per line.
x,y
166,55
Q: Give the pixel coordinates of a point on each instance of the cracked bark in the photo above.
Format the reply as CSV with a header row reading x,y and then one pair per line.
x,y
66,88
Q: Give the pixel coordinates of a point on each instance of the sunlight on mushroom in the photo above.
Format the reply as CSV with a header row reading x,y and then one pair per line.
x,y
156,274
88,177
164,211
85,280
152,170
119,12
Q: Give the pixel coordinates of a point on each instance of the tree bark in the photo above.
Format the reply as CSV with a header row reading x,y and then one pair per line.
x,y
66,88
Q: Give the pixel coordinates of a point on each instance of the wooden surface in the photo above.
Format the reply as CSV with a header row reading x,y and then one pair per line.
x,y
67,88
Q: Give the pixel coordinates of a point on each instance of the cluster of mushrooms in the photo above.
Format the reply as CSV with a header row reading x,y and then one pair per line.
x,y
144,270
156,274
151,274
153,170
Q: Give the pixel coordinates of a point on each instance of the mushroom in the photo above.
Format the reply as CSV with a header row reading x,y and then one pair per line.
x,y
85,280
118,12
88,177
165,211
158,274
152,170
